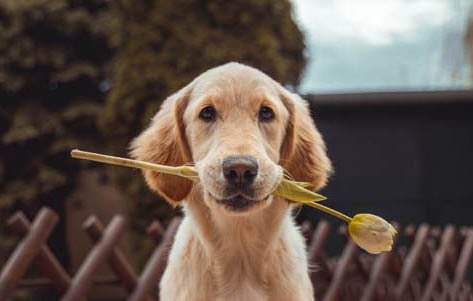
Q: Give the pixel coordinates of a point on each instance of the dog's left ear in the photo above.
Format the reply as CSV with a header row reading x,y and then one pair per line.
x,y
164,142
303,153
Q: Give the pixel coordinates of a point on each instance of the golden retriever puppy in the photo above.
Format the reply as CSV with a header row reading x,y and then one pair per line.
x,y
243,131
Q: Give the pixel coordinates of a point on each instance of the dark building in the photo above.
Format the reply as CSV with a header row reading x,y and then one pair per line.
x,y
406,156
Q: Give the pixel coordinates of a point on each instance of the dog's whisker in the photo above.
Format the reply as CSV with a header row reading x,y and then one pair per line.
x,y
298,211
288,175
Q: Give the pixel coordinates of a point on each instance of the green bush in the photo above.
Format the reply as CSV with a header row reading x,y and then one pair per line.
x,y
53,57
58,59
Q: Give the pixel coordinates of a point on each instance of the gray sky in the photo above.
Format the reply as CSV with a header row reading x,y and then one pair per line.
x,y
383,45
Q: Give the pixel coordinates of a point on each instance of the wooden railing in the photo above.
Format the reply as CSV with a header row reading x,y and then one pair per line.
x,y
431,264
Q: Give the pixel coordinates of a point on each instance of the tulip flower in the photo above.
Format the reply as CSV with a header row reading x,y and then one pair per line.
x,y
372,233
291,190
369,232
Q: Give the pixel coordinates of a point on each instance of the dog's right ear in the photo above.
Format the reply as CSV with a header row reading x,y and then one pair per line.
x,y
164,142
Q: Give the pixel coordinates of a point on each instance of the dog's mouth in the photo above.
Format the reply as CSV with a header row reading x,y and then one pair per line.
x,y
239,202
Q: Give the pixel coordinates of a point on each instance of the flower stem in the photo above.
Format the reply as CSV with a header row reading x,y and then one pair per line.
x,y
329,211
125,162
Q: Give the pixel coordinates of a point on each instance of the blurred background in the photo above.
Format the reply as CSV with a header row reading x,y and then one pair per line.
x,y
388,82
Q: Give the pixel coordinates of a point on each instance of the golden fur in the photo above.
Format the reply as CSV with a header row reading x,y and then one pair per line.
x,y
257,254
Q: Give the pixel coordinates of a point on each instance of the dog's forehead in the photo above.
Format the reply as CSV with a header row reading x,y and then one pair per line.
x,y
234,86
236,81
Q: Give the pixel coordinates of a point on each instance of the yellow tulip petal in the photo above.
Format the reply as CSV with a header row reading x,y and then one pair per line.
x,y
372,233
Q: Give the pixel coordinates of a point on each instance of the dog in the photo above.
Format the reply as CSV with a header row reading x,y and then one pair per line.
x,y
243,132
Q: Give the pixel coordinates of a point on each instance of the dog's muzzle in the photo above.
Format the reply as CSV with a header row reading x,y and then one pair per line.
x,y
239,173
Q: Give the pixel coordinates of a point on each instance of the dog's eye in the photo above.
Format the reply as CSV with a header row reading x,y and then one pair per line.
x,y
208,114
266,114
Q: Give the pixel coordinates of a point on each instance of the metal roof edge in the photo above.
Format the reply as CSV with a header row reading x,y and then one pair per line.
x,y
392,98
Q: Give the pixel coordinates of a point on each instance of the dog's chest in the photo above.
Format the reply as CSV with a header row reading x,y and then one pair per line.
x,y
242,268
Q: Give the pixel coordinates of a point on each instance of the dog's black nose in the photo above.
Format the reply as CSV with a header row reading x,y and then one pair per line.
x,y
240,170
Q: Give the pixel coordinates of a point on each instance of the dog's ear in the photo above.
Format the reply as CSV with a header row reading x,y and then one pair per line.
x,y
164,142
303,153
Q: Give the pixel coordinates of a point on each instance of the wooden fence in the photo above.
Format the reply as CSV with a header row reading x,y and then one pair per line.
x,y
428,263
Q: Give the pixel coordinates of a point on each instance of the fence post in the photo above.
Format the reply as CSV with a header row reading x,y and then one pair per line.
x,y
83,279
439,262
156,264
26,251
462,266
48,263
340,271
411,261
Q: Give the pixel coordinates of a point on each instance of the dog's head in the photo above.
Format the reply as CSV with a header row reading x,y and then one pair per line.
x,y
242,130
